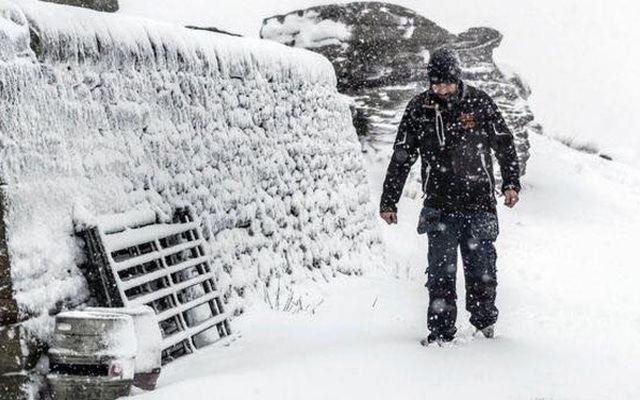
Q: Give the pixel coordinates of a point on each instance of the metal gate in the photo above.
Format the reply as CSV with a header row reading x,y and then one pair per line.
x,y
164,266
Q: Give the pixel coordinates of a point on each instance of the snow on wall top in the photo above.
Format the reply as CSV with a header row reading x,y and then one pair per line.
x,y
69,34
111,115
14,33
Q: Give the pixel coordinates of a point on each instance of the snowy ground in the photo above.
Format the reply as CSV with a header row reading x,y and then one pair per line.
x,y
570,310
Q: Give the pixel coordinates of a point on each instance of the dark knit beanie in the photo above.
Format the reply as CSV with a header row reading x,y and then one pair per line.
x,y
444,66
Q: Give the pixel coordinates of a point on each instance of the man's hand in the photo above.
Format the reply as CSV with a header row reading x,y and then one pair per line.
x,y
390,217
510,198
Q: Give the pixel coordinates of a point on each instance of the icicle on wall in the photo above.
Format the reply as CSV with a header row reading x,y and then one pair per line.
x,y
120,113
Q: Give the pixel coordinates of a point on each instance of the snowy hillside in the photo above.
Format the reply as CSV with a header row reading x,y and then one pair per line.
x,y
567,294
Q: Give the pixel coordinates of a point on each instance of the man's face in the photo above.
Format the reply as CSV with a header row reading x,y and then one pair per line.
x,y
445,90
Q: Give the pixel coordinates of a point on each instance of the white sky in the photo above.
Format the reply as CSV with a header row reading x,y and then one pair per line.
x,y
579,56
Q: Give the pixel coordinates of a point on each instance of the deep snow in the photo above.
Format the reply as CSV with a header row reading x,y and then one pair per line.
x,y
567,293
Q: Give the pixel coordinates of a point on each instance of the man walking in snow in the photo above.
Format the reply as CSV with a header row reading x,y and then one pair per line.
x,y
453,127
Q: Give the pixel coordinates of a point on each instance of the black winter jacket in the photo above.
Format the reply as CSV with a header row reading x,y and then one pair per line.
x,y
454,139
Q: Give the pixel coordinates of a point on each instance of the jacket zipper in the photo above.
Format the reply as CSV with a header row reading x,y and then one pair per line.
x,y
440,133
426,180
486,171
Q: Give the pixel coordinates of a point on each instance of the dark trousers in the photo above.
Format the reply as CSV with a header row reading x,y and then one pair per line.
x,y
475,234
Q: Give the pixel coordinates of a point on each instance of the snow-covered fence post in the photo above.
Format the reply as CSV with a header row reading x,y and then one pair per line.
x,y
8,307
18,351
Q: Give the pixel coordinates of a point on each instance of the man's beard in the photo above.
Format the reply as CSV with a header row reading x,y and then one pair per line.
x,y
447,99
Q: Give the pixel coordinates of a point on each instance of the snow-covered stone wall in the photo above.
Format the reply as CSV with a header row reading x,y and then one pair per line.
x,y
104,114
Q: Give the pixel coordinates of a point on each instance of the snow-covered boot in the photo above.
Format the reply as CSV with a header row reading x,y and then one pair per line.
x,y
488,332
433,338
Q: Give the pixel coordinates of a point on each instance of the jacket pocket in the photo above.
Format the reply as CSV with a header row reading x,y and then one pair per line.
x,y
429,221
484,226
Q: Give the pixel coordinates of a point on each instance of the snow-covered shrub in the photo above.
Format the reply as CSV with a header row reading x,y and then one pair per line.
x,y
119,114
